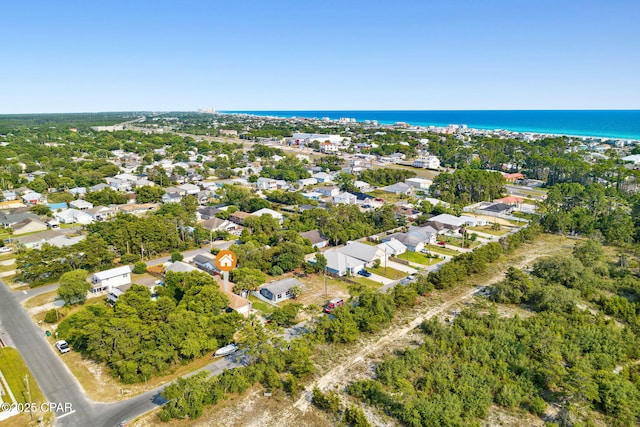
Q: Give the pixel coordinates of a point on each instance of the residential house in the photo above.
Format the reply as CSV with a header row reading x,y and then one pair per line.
x,y
267,184
399,188
267,211
304,182
458,222
312,195
429,162
9,195
109,279
102,213
217,224
237,303
328,191
179,267
279,290
318,240
206,263
340,264
98,187
207,212
366,253
419,183
9,219
415,238
513,177
28,225
239,217
74,216
58,238
171,198
392,247
33,198
78,191
497,209
362,186
81,205
191,189
345,198
323,177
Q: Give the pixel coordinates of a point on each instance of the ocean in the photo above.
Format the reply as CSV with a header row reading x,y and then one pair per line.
x,y
622,124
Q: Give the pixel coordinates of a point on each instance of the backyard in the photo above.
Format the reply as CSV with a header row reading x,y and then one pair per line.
x,y
419,258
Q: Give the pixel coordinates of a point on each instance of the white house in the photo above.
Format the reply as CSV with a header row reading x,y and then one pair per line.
x,y
304,182
345,198
280,290
81,205
74,216
328,191
429,162
419,183
392,247
340,264
365,253
190,188
267,211
266,184
109,279
323,177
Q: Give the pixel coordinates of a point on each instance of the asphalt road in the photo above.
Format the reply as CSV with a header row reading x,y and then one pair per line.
x,y
56,381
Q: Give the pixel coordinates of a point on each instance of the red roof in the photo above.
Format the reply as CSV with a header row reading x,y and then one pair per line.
x,y
510,200
513,176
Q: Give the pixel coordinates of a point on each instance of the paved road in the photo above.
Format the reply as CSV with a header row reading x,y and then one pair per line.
x,y
56,381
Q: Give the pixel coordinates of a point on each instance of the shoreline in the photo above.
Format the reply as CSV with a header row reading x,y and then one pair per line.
x,y
312,115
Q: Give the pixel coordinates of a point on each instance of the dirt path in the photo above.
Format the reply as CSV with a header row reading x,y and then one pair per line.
x,y
394,338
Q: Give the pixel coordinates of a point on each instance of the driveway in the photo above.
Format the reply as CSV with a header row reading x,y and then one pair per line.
x,y
396,265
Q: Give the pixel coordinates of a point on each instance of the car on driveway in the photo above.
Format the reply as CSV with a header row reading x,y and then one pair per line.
x,y
63,346
364,273
5,249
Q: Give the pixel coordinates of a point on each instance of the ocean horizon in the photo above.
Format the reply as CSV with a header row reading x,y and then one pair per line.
x,y
618,124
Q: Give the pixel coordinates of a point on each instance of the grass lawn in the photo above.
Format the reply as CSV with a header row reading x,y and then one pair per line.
x,y
418,258
4,268
14,370
453,241
488,230
443,251
5,257
371,284
389,273
41,299
261,305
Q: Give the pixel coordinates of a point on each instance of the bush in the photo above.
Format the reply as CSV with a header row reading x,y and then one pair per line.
x,y
214,251
329,402
276,271
176,256
139,268
52,316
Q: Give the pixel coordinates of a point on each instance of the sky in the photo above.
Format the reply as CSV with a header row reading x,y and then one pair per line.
x,y
138,55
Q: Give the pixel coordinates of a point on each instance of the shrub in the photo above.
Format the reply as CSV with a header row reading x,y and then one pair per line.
x,y
129,258
52,316
176,256
139,268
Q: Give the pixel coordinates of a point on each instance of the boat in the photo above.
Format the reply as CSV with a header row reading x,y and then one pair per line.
x,y
226,350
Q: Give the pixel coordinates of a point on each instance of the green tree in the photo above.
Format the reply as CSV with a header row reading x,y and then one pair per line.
x,y
176,256
247,278
149,194
74,287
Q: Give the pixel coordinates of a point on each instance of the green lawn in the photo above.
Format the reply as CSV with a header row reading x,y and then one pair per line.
x,y
261,305
366,282
389,273
443,251
418,258
14,370
454,241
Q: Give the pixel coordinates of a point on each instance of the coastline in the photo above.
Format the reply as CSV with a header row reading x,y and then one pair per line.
x,y
380,117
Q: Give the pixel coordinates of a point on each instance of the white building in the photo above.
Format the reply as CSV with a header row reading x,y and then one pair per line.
x,y
308,138
109,279
345,198
267,211
266,184
419,183
81,205
429,162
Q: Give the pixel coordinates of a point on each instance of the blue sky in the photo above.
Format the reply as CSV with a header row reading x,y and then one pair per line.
x,y
73,56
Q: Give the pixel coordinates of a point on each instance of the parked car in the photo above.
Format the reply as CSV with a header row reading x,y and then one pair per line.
x,y
5,249
442,243
364,273
333,304
63,346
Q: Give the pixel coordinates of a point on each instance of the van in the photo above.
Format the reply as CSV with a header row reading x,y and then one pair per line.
x,y
333,304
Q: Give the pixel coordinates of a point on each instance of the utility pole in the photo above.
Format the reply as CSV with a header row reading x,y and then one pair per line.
x,y
26,380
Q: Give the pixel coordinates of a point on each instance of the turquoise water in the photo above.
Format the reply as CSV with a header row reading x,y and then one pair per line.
x,y
600,123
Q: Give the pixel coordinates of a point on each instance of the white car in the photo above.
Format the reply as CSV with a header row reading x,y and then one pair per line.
x,y
5,249
63,346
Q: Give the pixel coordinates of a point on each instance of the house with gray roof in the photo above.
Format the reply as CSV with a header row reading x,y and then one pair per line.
x,y
279,290
365,253
317,239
